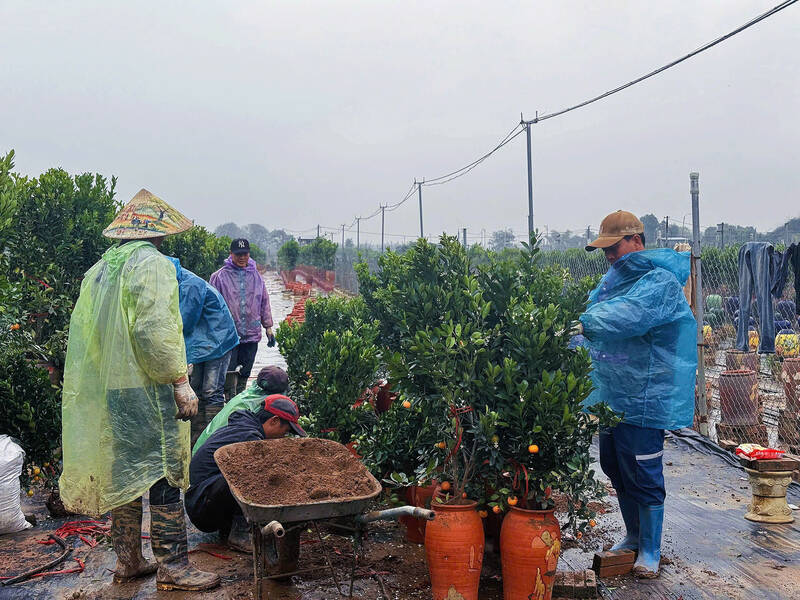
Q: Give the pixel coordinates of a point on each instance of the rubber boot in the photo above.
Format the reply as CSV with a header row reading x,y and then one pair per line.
x,y
651,519
170,546
630,514
239,538
212,410
126,538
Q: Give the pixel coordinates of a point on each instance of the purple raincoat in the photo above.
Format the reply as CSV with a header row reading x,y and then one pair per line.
x,y
247,298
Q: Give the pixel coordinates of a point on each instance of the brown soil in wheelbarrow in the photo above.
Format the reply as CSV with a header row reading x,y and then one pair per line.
x,y
292,471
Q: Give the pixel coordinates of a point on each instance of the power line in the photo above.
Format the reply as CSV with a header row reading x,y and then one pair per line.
x,y
448,177
397,205
702,48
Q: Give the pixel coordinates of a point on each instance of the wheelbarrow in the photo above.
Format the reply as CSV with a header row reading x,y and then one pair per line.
x,y
268,524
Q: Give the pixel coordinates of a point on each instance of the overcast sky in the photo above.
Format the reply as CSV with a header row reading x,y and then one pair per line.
x,y
295,113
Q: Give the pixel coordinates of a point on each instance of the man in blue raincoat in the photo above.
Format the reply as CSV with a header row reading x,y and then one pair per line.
x,y
210,334
642,340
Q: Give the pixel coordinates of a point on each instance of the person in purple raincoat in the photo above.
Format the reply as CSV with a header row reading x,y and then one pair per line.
x,y
244,291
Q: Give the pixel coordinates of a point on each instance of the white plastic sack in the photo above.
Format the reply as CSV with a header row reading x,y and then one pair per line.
x,y
11,459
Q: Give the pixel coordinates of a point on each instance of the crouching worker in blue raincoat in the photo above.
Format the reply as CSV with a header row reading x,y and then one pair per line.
x,y
642,340
209,334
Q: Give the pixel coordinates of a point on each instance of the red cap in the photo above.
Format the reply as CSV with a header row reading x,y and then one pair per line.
x,y
285,408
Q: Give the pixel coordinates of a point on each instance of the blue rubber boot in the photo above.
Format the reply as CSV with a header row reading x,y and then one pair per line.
x,y
651,519
630,514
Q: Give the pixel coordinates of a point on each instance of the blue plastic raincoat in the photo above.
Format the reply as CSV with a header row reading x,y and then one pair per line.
x,y
208,327
642,339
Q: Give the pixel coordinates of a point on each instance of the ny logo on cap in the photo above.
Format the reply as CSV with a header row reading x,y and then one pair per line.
x,y
241,243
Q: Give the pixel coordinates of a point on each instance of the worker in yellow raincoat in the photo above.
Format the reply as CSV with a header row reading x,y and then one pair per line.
x,y
127,399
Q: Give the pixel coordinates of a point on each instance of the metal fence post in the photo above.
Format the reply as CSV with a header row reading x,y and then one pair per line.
x,y
697,273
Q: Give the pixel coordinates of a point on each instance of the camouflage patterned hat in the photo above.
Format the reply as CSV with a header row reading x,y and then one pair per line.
x,y
146,216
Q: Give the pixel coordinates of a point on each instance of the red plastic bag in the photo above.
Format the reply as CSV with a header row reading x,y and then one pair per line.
x,y
757,452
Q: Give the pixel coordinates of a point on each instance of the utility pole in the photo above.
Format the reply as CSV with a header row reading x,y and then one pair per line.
x,y
383,213
358,233
342,237
464,231
697,274
721,231
588,234
666,232
530,175
419,191
317,230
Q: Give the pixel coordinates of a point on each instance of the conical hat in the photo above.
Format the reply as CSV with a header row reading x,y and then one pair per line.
x,y
146,216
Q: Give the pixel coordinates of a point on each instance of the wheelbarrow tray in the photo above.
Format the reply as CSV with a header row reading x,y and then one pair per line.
x,y
285,513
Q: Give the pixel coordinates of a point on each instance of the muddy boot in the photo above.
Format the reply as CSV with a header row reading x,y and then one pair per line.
x,y
239,538
126,538
651,520
198,421
212,410
168,536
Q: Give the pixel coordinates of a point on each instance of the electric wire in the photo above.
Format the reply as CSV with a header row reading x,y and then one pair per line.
x,y
446,178
669,65
521,127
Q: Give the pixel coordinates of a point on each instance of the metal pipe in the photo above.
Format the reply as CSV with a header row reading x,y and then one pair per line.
x,y
273,528
393,513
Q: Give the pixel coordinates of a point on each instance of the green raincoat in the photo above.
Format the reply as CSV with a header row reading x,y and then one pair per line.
x,y
125,349
251,399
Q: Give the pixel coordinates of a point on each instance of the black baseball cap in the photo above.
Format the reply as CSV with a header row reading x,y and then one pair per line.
x,y
285,408
240,246
273,380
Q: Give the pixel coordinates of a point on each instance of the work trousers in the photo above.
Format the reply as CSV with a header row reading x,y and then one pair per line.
x,y
243,355
215,509
208,379
632,457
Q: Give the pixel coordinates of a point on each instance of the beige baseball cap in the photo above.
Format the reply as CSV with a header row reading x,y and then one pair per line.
x,y
615,227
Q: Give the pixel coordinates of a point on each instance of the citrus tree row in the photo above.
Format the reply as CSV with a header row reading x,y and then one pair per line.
x,y
489,392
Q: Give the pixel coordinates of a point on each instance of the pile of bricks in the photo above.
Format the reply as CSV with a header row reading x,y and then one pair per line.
x,y
298,288
298,314
610,563
574,584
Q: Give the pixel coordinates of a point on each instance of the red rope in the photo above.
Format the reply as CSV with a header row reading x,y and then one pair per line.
x,y
82,529
517,469
455,412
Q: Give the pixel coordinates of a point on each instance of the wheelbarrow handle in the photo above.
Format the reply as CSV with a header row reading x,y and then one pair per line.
x,y
393,513
273,528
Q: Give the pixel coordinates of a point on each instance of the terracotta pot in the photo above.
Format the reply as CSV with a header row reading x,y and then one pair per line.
x,y
530,544
417,496
738,397
454,551
736,360
790,374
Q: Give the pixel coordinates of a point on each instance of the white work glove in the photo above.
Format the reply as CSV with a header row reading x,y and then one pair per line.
x,y
185,400
576,329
